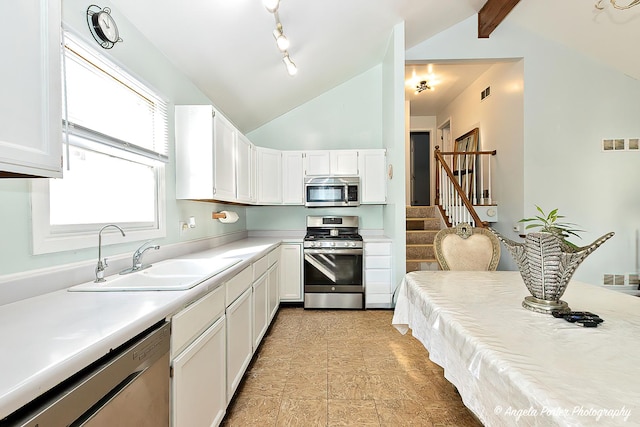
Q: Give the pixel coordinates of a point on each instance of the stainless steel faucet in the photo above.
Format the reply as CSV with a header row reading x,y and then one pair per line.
x,y
137,258
103,264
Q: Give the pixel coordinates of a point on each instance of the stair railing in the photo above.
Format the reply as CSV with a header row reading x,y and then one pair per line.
x,y
457,185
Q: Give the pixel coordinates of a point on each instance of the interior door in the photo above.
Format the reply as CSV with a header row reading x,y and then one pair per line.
x,y
420,170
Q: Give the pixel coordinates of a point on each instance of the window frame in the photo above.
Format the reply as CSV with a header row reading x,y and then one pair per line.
x,y
47,238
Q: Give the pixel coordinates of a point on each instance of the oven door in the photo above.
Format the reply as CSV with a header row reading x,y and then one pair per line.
x,y
333,270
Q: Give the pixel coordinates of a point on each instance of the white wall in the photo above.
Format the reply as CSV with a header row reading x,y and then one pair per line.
x,y
570,103
138,56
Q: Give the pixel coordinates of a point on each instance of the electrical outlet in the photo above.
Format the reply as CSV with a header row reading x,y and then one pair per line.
x,y
184,227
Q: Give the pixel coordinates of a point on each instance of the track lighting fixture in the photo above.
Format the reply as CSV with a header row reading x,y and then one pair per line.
x,y
291,67
281,40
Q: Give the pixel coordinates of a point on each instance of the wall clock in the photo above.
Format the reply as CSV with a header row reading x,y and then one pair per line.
x,y
102,26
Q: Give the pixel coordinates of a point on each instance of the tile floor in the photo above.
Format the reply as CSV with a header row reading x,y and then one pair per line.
x,y
343,368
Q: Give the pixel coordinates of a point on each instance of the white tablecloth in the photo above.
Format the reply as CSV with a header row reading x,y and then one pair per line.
x,y
516,367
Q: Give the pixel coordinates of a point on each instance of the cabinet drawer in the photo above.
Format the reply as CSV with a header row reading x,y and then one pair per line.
x,y
377,276
377,248
260,267
273,256
377,262
190,322
237,285
384,299
378,288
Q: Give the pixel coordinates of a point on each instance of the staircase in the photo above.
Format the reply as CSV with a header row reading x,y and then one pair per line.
x,y
423,222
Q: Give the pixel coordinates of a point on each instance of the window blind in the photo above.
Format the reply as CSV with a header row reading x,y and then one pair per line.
x,y
106,105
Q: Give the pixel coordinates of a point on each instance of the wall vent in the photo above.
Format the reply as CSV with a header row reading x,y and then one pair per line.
x,y
485,93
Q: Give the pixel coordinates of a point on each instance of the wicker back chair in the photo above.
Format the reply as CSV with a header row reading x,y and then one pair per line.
x,y
467,248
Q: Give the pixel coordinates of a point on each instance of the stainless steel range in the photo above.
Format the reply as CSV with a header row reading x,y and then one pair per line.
x,y
333,263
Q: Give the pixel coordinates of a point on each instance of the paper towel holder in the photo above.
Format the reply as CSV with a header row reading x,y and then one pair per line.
x,y
228,217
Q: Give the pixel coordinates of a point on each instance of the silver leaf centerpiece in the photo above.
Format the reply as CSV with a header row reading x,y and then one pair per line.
x,y
546,264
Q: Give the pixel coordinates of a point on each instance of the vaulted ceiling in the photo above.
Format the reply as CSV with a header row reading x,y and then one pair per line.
x,y
227,48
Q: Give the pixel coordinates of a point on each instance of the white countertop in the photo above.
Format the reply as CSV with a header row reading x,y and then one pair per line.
x,y
50,337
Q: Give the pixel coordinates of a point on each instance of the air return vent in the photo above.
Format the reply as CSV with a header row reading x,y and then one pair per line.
x,y
485,93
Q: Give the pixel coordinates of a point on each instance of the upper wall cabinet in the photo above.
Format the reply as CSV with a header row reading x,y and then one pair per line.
x,y
30,84
269,176
373,176
205,154
292,178
245,170
330,162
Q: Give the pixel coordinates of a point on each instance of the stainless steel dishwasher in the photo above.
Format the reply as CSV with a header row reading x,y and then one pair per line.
x,y
127,387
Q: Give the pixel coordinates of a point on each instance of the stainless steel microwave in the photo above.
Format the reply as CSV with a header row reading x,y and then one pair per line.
x,y
332,191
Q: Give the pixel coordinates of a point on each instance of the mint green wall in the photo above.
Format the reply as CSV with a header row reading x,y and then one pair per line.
x,y
347,116
394,212
138,56
294,217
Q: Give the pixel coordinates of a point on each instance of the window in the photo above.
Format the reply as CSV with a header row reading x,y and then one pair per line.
x,y
115,131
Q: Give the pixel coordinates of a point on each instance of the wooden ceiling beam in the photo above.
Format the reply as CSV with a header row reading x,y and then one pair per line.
x,y
492,14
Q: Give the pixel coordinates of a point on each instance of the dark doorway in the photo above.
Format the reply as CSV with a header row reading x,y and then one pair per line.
x,y
420,183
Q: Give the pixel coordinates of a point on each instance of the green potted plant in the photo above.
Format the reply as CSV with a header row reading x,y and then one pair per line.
x,y
550,223
547,260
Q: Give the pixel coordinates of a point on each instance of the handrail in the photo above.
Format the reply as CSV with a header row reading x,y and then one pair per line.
x,y
461,193
462,153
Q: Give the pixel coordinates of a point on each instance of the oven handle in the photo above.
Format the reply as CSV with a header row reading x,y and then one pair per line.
x,y
356,251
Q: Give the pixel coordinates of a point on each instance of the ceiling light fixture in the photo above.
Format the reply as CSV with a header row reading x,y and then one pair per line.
x,y
291,67
424,85
281,40
615,4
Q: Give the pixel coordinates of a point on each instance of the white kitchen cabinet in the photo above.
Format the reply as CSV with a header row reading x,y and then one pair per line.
x,y
259,303
377,274
239,340
205,154
273,282
291,272
198,360
330,162
30,84
269,176
317,163
292,178
198,383
373,176
344,162
245,170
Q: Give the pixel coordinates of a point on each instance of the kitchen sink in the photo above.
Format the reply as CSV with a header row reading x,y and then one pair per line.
x,y
171,275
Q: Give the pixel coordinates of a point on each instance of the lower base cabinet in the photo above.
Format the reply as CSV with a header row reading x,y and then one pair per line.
x,y
291,272
260,309
239,340
273,282
198,385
